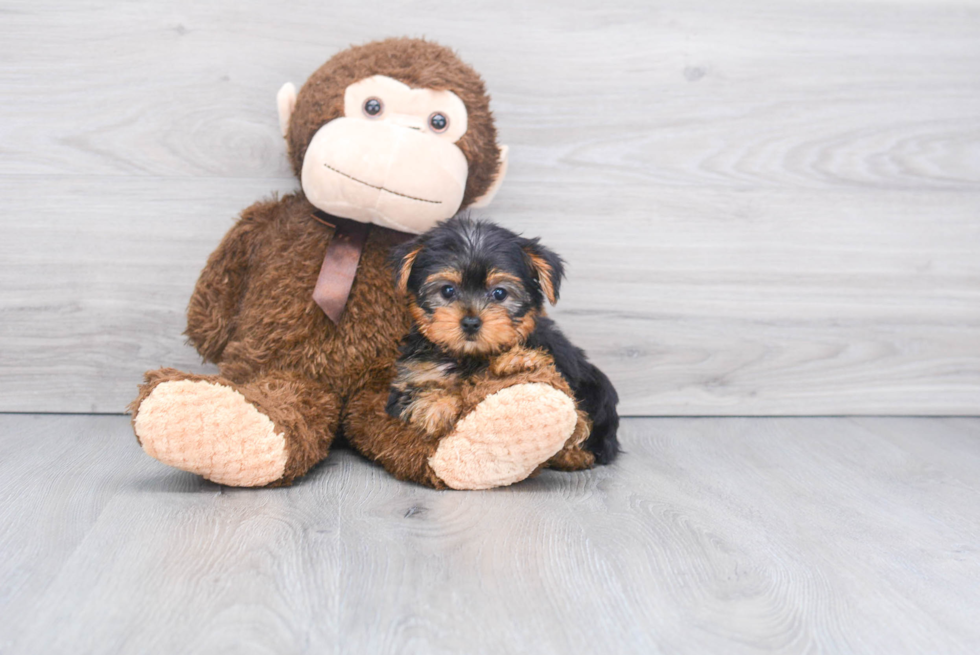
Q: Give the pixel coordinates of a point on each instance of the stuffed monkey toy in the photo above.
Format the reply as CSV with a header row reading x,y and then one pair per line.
x,y
299,310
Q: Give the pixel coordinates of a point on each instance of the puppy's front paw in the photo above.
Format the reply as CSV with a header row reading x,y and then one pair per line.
x,y
433,412
518,360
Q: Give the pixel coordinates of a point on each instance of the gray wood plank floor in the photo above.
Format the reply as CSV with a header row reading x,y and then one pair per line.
x,y
767,207
787,535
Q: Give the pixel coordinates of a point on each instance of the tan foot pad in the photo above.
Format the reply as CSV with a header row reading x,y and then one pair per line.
x,y
211,430
506,437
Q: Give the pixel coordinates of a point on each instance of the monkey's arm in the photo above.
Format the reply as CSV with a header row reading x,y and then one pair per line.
x,y
213,307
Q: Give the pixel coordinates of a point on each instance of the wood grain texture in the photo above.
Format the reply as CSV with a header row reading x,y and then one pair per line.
x,y
782,535
767,208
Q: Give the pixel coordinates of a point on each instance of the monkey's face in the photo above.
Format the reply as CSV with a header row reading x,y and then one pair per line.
x,y
392,158
396,132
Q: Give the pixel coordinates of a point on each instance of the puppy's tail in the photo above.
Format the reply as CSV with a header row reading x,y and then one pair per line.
x,y
598,398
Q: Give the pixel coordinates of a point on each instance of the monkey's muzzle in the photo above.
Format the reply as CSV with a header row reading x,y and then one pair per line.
x,y
383,173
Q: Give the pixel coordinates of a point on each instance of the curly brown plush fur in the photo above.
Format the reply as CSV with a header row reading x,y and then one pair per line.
x,y
299,378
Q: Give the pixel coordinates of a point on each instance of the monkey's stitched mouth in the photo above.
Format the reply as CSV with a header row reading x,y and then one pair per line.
x,y
381,188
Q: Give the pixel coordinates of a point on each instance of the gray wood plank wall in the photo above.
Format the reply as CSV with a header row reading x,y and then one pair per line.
x,y
768,207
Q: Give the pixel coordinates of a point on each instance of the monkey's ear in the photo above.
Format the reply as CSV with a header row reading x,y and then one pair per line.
x,y
286,102
548,267
402,259
498,179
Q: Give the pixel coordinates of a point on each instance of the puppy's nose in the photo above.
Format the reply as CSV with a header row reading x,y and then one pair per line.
x,y
471,324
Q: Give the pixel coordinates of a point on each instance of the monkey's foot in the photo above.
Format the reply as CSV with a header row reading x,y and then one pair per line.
x,y
506,437
210,429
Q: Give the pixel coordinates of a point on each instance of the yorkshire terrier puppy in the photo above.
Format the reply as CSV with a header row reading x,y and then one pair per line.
x,y
476,294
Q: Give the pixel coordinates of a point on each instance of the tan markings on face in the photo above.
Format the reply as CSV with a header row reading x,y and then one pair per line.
x,y
419,316
544,272
447,275
516,293
497,278
498,331
527,325
442,327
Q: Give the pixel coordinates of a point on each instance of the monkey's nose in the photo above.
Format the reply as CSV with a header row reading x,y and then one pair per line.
x,y
471,324
407,120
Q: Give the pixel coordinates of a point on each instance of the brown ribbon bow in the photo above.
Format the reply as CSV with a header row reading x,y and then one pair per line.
x,y
340,261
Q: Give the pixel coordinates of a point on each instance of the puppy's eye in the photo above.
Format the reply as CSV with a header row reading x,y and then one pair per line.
x,y
438,122
373,107
448,291
499,294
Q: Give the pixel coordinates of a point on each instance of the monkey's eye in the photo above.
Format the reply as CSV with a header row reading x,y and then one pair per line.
x,y
499,294
438,122
373,107
448,291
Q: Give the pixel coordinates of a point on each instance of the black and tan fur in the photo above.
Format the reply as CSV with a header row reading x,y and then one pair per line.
x,y
476,295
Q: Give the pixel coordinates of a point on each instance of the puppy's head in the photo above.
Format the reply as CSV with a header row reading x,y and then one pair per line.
x,y
474,287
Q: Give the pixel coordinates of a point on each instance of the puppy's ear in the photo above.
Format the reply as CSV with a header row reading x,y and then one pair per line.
x,y
548,267
402,259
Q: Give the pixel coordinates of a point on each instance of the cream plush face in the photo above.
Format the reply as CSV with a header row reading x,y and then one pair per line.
x,y
391,159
